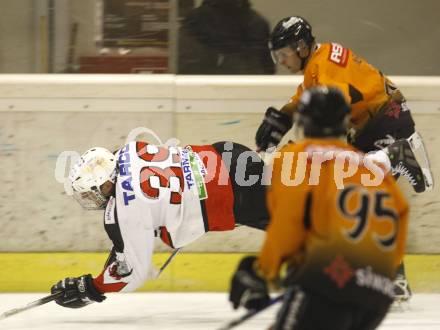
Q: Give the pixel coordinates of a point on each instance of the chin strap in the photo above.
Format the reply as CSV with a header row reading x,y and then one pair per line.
x,y
304,60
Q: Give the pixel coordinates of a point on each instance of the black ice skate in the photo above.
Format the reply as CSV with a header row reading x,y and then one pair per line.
x,y
402,292
402,154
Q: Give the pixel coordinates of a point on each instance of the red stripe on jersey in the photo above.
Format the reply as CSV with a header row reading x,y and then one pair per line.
x,y
166,237
220,202
102,287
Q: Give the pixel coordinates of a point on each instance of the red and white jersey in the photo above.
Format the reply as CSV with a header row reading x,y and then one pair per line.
x,y
180,193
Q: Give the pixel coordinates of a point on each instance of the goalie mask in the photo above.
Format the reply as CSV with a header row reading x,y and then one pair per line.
x,y
95,167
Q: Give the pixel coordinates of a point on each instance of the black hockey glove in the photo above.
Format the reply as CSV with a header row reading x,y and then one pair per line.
x,y
274,126
77,292
247,288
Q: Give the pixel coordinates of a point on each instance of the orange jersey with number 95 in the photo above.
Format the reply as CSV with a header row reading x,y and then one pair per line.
x,y
343,240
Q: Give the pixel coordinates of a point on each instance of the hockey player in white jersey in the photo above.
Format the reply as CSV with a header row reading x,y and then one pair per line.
x,y
146,191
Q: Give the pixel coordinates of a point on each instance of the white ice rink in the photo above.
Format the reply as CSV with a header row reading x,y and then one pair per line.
x,y
178,311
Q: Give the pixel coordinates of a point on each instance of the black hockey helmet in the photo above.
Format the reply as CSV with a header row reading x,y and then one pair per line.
x,y
289,32
323,112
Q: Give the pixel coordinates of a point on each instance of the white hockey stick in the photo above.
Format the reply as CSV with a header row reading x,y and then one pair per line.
x,y
33,304
55,296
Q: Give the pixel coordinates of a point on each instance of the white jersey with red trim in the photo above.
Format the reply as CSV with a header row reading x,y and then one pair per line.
x,y
156,188
159,187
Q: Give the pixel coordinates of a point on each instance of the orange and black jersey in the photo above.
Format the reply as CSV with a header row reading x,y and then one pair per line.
x,y
346,242
366,89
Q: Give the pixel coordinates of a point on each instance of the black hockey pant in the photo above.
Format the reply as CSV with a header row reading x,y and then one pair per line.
x,y
302,310
246,172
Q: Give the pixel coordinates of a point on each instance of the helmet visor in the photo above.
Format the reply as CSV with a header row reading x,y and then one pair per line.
x,y
91,200
280,55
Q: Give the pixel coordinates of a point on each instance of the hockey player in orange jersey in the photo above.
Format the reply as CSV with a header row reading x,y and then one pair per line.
x,y
379,113
380,118
342,246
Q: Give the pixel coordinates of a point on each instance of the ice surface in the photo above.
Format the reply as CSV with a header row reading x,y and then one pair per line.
x,y
178,311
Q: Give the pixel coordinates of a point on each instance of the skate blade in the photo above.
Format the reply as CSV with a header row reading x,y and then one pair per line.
x,y
418,148
400,306
429,181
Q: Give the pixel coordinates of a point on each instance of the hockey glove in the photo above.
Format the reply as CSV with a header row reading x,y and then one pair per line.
x,y
247,288
77,292
274,126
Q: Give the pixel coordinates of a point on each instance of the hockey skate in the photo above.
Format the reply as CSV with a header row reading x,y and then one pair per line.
x,y
402,295
402,292
409,159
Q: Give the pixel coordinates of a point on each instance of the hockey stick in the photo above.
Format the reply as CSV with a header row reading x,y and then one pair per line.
x,y
54,296
249,314
167,262
33,304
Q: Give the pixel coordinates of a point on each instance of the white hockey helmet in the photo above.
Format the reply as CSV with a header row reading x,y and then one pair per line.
x,y
95,167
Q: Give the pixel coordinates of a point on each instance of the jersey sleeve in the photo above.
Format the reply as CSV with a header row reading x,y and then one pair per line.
x,y
126,271
290,107
129,263
286,232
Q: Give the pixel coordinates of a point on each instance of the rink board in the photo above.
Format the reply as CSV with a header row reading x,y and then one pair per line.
x,y
44,116
188,272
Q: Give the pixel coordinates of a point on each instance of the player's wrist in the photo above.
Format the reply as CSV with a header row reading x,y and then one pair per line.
x,y
92,292
289,108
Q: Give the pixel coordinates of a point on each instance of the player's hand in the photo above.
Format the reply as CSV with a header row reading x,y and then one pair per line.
x,y
247,288
274,126
77,292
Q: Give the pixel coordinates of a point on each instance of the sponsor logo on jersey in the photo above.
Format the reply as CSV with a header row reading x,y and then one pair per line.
x,y
186,167
125,177
338,55
365,277
199,171
109,218
339,271
194,171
